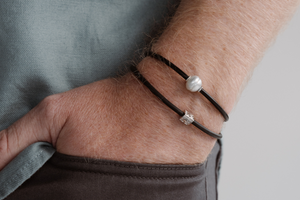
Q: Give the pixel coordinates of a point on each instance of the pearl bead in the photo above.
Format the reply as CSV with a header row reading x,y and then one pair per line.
x,y
194,84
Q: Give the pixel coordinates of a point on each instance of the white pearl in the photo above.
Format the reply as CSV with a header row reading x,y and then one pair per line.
x,y
193,84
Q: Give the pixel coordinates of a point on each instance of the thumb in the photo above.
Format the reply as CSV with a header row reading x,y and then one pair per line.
x,y
40,124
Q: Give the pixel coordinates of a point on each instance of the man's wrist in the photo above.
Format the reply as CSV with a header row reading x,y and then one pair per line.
x,y
180,143
172,86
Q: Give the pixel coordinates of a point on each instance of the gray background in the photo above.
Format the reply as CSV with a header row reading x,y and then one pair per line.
x,y
261,139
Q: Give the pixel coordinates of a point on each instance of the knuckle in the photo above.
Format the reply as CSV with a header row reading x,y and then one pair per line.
x,y
50,106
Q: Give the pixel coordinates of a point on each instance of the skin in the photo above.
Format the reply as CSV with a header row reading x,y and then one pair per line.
x,y
220,41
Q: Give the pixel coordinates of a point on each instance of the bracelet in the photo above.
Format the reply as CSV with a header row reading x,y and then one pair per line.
x,y
186,117
193,83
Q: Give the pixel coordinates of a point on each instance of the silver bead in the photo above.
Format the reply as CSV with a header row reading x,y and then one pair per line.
x,y
187,118
193,84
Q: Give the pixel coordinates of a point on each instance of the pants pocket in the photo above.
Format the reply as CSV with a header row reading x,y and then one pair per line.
x,y
69,177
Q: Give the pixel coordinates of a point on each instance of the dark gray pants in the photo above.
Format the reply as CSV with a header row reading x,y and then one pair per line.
x,y
68,177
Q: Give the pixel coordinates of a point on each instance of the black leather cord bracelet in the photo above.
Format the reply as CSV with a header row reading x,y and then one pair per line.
x,y
190,80
186,117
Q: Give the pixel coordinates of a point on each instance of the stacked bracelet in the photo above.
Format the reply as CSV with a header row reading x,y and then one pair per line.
x,y
186,117
193,83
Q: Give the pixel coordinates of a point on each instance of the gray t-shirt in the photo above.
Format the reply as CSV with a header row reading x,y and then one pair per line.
x,y
51,46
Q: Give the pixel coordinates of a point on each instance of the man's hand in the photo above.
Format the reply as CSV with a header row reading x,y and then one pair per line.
x,y
116,119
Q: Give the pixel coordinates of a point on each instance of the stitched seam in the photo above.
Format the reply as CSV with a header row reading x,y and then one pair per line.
x,y
206,189
134,177
132,166
14,177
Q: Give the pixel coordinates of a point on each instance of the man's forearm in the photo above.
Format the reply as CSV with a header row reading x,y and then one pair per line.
x,y
220,41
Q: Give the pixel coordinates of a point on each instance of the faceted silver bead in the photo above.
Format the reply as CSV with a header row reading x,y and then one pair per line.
x,y
187,118
194,84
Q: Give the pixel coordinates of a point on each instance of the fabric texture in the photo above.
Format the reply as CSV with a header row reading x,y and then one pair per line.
x,y
51,46
23,166
67,177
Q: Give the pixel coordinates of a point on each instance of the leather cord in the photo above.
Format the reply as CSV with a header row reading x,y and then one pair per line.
x,y
185,76
139,76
